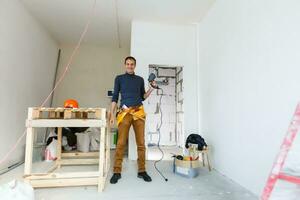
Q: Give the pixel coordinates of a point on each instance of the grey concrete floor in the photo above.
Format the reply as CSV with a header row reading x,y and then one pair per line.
x,y
207,186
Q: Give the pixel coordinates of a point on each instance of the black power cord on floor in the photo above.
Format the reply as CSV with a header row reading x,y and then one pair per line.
x,y
159,136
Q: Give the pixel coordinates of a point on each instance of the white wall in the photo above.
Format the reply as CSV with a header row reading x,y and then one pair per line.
x,y
27,62
249,58
91,74
169,44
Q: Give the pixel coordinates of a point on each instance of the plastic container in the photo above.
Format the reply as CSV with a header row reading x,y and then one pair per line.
x,y
188,169
83,142
114,137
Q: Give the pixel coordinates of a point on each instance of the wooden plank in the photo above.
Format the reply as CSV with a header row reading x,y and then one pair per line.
x,y
58,115
107,150
103,114
29,145
53,168
65,123
59,109
61,115
99,114
58,147
63,182
85,161
67,114
51,114
79,154
62,109
92,110
48,109
101,159
36,114
208,161
41,176
101,183
78,115
28,151
85,115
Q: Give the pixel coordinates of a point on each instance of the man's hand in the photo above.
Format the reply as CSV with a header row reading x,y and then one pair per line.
x,y
153,84
151,88
111,119
112,111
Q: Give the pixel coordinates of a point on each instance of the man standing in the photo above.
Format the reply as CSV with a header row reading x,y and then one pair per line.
x,y
132,89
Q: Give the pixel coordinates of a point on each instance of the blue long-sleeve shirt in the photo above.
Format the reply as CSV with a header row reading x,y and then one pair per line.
x,y
132,89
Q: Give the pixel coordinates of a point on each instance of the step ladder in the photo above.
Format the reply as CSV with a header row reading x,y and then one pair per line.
x,y
277,173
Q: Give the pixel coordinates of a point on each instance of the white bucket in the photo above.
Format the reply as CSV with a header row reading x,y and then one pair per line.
x,y
83,142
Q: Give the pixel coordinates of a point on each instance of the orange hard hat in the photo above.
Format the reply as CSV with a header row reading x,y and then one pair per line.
x,y
71,103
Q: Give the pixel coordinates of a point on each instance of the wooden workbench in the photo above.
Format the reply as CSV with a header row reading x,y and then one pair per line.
x,y
61,117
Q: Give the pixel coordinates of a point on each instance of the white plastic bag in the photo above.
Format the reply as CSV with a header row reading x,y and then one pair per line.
x,y
50,152
51,133
94,134
64,143
16,190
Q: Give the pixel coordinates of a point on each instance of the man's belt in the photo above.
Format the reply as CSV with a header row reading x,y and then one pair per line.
x,y
137,113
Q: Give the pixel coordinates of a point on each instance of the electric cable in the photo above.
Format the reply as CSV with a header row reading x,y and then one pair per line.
x,y
66,69
159,137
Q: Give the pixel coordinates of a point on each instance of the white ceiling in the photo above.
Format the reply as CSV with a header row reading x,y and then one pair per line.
x,y
65,19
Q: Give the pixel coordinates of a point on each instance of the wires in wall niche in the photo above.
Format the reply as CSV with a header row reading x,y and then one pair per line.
x,y
151,78
159,135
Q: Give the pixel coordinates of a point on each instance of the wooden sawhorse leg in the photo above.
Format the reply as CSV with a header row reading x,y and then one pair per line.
x,y
205,155
101,181
58,150
28,151
203,158
107,151
208,161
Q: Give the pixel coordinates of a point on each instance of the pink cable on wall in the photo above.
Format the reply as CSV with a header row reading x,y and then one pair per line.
x,y
66,69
